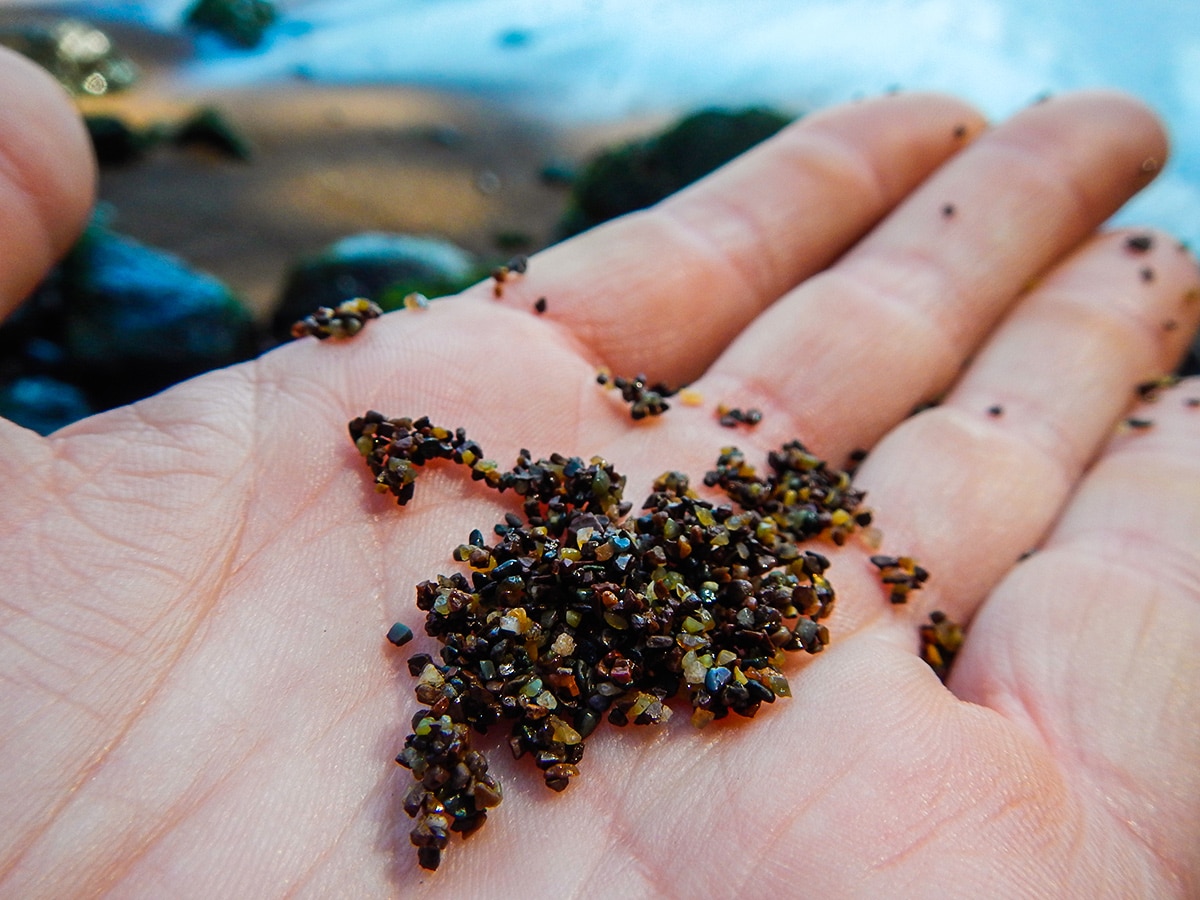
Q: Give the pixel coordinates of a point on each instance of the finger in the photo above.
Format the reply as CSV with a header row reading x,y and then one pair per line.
x,y
47,176
663,291
1091,642
970,485
851,351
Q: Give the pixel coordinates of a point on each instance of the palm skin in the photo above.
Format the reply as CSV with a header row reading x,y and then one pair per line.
x,y
198,697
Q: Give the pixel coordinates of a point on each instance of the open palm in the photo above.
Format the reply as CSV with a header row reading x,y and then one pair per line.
x,y
198,697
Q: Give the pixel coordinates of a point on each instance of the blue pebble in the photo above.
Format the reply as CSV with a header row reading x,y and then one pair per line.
x,y
716,678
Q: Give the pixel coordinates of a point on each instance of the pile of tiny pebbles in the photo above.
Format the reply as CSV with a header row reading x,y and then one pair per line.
x,y
579,611
644,399
941,640
1151,390
344,321
732,418
901,574
518,265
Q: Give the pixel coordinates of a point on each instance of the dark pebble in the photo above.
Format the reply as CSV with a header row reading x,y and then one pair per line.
x,y
399,634
759,691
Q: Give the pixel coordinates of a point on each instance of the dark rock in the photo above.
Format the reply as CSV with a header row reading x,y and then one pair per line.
x,y
378,266
137,319
209,129
558,172
239,22
639,174
115,141
42,404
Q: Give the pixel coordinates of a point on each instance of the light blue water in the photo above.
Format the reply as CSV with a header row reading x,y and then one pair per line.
x,y
594,60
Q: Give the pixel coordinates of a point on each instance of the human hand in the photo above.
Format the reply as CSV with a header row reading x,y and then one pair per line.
x,y
198,697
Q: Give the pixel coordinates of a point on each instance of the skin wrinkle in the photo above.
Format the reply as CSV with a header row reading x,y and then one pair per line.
x,y
623,835
837,161
1062,187
321,860
1126,320
907,279
878,282
1109,546
1039,449
158,675
1036,431
592,321
117,869
239,794
781,422
788,822
165,667
704,250
581,332
1072,767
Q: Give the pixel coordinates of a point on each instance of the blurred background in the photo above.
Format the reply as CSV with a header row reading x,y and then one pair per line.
x,y
244,141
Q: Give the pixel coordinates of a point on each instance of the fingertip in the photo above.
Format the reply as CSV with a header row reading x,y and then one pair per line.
x,y
47,175
1137,134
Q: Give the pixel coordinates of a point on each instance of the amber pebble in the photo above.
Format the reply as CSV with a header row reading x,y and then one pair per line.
x,y
701,717
487,792
559,775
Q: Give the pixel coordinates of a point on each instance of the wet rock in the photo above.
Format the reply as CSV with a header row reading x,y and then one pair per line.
x,y
80,56
116,142
136,319
641,173
239,22
378,266
42,404
208,128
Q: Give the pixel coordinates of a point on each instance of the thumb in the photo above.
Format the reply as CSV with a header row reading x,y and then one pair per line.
x,y
47,176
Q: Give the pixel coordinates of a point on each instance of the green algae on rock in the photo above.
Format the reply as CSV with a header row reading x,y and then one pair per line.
x,y
580,611
239,22
380,266
640,173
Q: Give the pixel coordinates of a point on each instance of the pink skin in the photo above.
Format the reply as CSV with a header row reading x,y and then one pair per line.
x,y
198,699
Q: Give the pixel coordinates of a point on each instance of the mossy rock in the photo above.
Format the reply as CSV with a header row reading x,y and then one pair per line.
x,y
240,22
380,266
639,174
